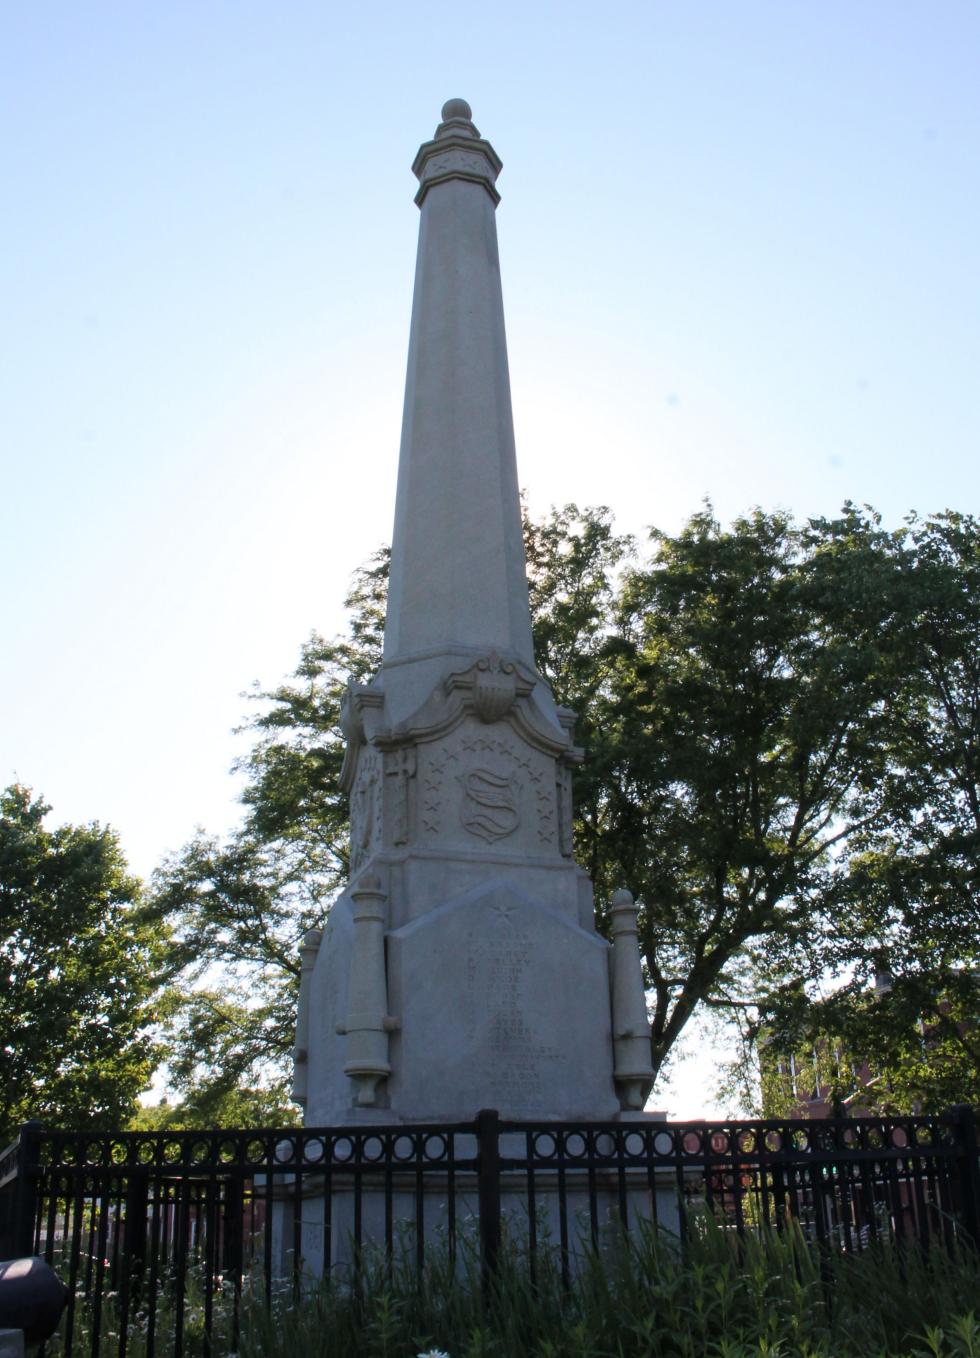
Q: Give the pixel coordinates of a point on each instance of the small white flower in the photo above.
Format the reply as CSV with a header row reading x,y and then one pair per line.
x,y
434,1353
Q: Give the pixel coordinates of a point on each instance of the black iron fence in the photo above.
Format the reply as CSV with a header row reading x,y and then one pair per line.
x,y
160,1235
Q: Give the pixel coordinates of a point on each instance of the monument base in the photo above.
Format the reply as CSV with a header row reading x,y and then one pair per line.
x,y
559,1191
567,1218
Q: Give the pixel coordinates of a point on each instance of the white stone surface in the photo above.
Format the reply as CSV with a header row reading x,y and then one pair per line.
x,y
514,1210
458,586
461,969
633,1068
481,985
307,955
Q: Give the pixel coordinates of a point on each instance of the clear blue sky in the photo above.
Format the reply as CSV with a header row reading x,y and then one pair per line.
x,y
741,256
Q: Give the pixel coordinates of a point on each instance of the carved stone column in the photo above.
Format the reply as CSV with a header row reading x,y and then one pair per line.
x,y
633,1069
368,1023
307,960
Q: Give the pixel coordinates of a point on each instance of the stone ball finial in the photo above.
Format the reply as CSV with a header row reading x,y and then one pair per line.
x,y
456,108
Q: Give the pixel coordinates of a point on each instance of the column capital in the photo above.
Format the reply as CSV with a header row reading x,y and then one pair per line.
x,y
457,151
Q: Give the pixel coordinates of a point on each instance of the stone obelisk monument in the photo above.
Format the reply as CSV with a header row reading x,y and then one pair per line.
x,y
460,969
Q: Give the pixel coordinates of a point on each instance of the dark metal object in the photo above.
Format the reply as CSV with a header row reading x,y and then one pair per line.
x,y
488,1172
32,1298
136,1222
964,1124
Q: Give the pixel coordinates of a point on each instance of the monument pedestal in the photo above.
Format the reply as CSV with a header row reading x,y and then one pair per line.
x,y
568,1212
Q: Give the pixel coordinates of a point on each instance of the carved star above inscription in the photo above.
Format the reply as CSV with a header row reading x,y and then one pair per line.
x,y
503,910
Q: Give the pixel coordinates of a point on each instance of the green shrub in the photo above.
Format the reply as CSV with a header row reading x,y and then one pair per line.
x,y
639,1296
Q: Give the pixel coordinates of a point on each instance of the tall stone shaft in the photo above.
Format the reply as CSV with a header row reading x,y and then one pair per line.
x,y
457,584
461,969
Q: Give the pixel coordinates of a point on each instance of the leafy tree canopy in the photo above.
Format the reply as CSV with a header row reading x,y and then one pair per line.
x,y
79,973
780,723
238,911
906,907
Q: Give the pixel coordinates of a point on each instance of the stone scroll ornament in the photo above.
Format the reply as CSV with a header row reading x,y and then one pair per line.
x,y
365,829
494,688
368,1021
489,806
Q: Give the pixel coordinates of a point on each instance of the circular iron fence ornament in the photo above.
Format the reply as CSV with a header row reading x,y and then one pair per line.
x,y
255,1152
314,1150
343,1149
435,1147
634,1144
404,1148
663,1144
200,1153
372,1149
605,1145
285,1152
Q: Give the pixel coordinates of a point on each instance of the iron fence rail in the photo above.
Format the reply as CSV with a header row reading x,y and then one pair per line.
x,y
158,1235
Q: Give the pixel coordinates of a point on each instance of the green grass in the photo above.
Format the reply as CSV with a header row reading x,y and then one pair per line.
x,y
769,1297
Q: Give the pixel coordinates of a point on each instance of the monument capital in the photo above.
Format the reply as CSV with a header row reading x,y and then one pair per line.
x,y
457,151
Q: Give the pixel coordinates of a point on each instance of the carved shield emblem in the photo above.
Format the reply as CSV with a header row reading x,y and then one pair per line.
x,y
489,805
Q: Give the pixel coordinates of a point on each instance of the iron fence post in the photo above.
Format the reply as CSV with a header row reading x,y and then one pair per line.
x,y
135,1224
964,1123
134,1251
488,1185
24,1214
232,1235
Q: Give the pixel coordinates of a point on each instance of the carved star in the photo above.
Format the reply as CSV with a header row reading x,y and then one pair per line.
x,y
504,910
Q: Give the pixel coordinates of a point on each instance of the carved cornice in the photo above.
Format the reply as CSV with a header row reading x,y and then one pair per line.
x,y
493,684
457,154
358,700
491,690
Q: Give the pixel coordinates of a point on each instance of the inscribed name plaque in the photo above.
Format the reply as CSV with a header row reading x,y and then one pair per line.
x,y
476,987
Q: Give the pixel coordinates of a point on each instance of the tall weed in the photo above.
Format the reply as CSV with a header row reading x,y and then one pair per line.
x,y
638,1296
773,1296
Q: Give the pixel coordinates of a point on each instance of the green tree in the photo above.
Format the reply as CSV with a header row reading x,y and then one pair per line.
x,y
765,736
751,713
79,969
908,905
904,1046
575,562
237,911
